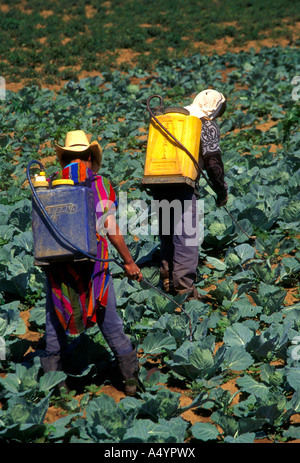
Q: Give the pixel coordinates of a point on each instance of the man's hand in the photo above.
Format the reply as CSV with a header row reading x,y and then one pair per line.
x,y
133,272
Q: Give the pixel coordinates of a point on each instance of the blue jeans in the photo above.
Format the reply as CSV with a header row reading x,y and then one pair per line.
x,y
108,320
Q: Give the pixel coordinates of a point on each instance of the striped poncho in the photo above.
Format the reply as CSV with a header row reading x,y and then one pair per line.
x,y
78,288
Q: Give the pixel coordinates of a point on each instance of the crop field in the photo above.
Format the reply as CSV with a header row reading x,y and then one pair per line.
x,y
92,66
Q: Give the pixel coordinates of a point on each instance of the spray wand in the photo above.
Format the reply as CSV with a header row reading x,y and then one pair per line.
x,y
86,254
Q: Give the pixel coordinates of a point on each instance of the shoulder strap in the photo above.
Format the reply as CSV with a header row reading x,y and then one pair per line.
x,y
51,178
87,182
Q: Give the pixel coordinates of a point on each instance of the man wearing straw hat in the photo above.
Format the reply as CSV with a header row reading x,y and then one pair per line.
x,y
80,294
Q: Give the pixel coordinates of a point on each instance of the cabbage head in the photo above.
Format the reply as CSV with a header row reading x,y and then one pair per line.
x,y
217,228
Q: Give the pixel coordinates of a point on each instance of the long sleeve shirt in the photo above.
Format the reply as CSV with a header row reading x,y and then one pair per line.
x,y
210,153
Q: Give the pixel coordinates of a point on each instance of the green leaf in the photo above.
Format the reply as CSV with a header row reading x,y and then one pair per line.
x,y
224,290
216,263
60,428
156,343
226,422
38,314
50,379
257,217
151,274
293,377
140,296
194,362
247,438
269,412
202,359
291,212
237,359
245,252
164,431
10,383
11,322
269,297
237,335
292,433
249,385
165,404
25,411
111,419
204,431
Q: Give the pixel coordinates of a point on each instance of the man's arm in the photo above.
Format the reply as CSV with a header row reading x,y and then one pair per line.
x,y
117,240
212,160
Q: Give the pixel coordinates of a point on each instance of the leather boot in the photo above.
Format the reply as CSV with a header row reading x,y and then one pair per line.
x,y
129,367
192,294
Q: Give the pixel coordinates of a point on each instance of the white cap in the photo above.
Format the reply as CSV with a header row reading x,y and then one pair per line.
x,y
207,103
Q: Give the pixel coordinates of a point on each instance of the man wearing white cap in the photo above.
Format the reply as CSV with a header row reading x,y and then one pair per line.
x,y
208,105
179,261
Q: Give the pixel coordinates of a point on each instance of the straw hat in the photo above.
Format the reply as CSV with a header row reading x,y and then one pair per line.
x,y
77,142
209,103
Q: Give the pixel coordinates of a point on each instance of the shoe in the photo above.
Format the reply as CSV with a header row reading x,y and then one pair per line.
x,y
129,367
168,286
192,294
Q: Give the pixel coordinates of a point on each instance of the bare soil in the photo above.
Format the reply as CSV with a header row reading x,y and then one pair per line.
x,y
127,56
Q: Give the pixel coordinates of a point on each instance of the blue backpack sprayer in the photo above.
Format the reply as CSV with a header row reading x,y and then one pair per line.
x,y
68,206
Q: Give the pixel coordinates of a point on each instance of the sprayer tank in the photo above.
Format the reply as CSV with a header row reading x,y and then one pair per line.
x,y
164,158
72,210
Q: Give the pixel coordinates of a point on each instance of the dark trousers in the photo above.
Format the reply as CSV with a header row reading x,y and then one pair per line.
x,y
179,236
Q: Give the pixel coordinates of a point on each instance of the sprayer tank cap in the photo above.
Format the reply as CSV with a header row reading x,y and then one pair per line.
x,y
40,183
62,182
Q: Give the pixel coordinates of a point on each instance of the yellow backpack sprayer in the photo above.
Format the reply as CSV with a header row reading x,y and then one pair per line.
x,y
166,160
